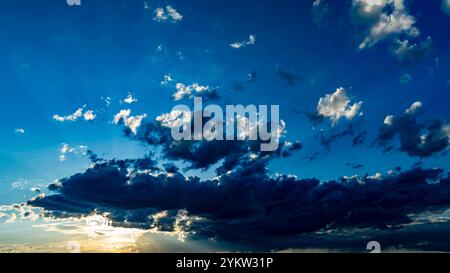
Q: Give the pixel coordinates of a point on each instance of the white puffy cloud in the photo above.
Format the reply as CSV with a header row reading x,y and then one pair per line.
x,y
175,119
88,115
251,41
382,19
19,131
167,13
187,90
129,99
131,122
337,105
389,120
414,108
446,7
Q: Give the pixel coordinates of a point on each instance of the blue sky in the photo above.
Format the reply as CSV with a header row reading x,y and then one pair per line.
x,y
56,58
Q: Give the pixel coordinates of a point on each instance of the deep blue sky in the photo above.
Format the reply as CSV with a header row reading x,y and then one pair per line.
x,y
54,59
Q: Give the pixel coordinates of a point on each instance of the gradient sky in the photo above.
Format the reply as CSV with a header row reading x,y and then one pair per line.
x,y
55,58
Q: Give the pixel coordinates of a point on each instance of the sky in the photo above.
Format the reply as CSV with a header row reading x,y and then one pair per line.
x,y
363,89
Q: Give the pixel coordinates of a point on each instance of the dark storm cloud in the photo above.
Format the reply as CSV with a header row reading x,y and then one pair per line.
x,y
419,139
244,203
203,154
247,204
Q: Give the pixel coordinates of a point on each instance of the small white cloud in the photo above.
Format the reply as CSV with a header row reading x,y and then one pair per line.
x,y
174,14
19,131
169,13
337,105
446,7
88,115
251,41
414,108
389,120
129,99
376,176
72,117
175,119
187,90
167,79
66,149
35,189
131,122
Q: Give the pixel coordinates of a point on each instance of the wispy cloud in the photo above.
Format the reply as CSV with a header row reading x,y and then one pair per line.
x,y
251,41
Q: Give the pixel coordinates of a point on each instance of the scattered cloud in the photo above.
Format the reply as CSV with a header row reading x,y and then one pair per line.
x,y
194,90
107,100
205,153
382,19
251,41
337,105
414,108
19,131
405,52
129,99
419,139
167,79
66,149
88,115
167,14
131,122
